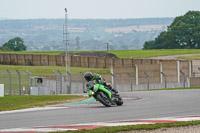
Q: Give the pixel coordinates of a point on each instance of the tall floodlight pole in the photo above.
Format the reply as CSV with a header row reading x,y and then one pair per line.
x,y
66,41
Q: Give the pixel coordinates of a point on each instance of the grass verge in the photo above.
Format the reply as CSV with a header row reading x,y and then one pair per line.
x,y
152,53
136,127
121,53
193,57
48,70
13,102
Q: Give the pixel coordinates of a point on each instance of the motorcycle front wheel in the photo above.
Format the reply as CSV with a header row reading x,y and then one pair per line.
x,y
103,98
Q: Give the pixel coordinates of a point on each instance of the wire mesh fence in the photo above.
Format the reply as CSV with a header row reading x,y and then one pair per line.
x,y
15,82
127,82
22,83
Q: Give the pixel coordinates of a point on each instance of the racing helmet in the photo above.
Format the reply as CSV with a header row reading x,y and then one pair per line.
x,y
88,76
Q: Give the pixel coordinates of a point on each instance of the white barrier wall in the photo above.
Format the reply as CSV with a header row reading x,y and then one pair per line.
x,y
1,90
34,91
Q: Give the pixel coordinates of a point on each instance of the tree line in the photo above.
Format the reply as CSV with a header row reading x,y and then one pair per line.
x,y
183,33
15,44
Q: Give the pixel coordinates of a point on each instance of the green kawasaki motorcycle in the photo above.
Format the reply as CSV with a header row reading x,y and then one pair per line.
x,y
104,94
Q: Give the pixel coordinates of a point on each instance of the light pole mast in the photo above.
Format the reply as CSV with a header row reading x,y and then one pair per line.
x,y
67,57
65,30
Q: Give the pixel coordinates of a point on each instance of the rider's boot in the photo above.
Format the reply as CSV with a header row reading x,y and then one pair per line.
x,y
114,90
110,87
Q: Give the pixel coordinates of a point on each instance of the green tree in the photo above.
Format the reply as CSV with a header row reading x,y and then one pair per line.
x,y
183,33
15,44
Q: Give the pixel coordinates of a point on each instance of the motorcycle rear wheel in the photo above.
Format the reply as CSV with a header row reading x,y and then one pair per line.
x,y
119,101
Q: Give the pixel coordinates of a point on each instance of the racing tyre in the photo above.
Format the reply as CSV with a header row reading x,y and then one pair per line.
x,y
119,101
103,98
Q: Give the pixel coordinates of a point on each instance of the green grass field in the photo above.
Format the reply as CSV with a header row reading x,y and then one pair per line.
x,y
13,102
48,70
193,57
153,53
124,53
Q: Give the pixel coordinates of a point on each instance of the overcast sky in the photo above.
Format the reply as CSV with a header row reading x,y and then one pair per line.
x,y
32,9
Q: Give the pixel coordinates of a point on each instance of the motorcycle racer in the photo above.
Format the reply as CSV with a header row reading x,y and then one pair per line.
x,y
99,79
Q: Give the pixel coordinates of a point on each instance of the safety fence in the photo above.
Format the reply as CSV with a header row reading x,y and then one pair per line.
x,y
128,82
23,83
15,82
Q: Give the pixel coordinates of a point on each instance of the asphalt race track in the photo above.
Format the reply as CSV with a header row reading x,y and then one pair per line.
x,y
137,105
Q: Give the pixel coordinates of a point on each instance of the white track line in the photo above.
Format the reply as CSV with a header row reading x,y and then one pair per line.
x,y
101,124
36,130
31,109
111,124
